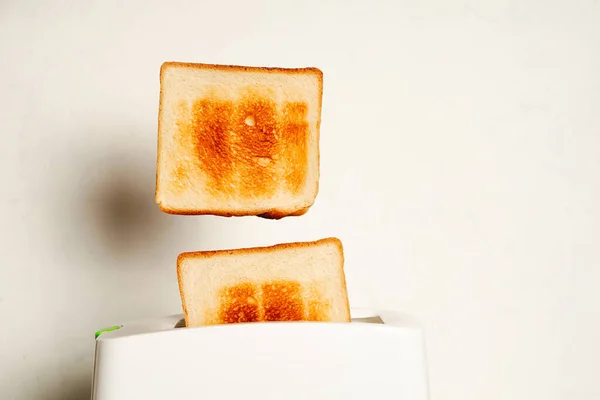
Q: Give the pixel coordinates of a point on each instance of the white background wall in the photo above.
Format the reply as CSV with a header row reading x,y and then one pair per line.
x,y
460,167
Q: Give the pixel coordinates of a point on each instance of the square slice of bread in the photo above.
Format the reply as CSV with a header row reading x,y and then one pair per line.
x,y
301,281
238,141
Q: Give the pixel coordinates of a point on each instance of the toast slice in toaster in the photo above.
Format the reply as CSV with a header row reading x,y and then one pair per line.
x,y
238,141
301,281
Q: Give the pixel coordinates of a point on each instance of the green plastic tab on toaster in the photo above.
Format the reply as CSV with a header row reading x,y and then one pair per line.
x,y
109,329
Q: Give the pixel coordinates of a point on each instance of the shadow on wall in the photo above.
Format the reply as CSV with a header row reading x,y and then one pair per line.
x,y
105,221
120,212
110,218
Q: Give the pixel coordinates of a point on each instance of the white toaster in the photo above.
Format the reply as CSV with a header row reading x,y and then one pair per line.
x,y
380,354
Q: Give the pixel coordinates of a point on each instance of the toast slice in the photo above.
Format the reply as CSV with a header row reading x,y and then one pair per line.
x,y
301,281
238,141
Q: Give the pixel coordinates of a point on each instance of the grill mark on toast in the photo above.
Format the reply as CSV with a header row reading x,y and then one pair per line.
x,y
276,300
257,145
212,141
295,128
283,301
239,303
248,145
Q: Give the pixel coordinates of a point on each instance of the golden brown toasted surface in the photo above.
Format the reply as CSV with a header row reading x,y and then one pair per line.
x,y
239,304
252,301
279,300
282,301
237,139
249,145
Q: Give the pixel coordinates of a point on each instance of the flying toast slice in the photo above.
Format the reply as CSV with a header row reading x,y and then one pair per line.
x,y
301,281
238,141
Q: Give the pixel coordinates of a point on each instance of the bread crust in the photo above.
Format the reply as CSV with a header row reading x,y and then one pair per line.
x,y
278,214
270,213
241,68
274,214
261,249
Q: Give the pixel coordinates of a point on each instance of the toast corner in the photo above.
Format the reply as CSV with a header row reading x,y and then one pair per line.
x,y
184,307
162,207
319,73
166,65
334,241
